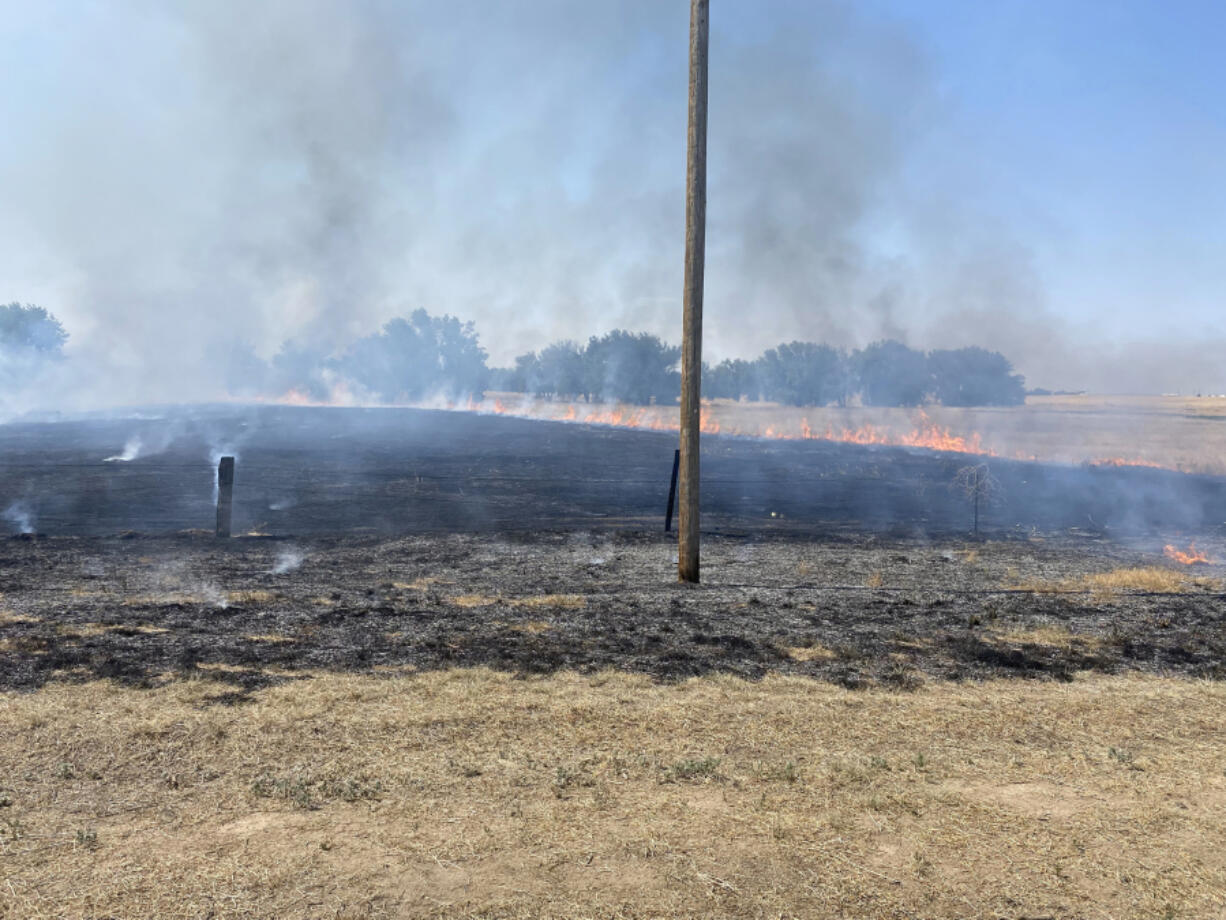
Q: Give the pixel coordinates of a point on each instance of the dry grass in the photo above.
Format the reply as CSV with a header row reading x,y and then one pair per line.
x,y
567,601
168,599
813,652
472,793
1120,581
85,630
1052,636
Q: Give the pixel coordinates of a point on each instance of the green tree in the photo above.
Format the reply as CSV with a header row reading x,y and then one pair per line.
x,y
31,331
418,356
891,374
975,377
631,367
803,374
732,379
560,371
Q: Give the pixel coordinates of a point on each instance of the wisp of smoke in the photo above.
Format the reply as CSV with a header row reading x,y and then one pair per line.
x,y
212,595
287,560
131,450
20,516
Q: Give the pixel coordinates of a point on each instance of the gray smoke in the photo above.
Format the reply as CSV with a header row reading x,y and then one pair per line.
x,y
240,175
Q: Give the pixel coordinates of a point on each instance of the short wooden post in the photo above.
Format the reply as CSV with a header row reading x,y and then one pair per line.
x,y
225,495
672,493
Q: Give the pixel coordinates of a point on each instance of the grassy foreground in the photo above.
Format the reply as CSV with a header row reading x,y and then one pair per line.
x,y
473,793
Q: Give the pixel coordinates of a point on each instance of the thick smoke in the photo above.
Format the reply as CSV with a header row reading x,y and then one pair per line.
x,y
203,182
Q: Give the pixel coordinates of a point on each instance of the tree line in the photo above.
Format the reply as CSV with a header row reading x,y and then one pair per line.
x,y
30,337
421,356
410,359
640,368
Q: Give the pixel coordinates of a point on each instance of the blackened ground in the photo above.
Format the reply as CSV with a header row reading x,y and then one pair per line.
x,y
406,538
859,612
304,471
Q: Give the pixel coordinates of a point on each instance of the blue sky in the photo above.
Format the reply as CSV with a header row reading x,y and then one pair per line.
x,y
1043,178
1095,131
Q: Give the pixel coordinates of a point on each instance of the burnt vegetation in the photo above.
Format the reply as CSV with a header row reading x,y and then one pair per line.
x,y
406,538
145,610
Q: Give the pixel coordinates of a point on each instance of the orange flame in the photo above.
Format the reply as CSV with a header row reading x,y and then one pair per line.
x,y
1191,557
925,434
1122,461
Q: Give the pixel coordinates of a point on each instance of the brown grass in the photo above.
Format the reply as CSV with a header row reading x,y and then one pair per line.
x,y
1119,581
810,653
472,793
168,598
1052,636
85,630
568,601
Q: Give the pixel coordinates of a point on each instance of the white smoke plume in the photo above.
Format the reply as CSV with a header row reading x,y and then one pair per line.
x,y
131,450
288,560
20,516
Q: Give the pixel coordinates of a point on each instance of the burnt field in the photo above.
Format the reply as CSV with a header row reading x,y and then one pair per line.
x,y
445,670
856,613
314,471
394,539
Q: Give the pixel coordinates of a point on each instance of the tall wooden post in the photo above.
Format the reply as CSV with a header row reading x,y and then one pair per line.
x,y
695,253
225,495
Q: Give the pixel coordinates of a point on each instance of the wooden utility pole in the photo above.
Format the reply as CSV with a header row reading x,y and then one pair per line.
x,y
695,253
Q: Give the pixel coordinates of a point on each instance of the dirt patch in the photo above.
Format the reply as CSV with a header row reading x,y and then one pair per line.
x,y
1040,799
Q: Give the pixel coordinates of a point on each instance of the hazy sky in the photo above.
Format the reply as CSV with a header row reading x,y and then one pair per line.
x,y
1045,178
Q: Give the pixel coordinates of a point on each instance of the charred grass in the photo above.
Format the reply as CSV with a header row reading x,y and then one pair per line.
x,y
472,793
550,726
858,613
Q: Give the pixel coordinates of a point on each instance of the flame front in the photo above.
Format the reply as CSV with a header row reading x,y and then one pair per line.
x,y
1191,557
924,434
